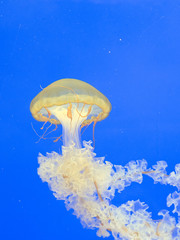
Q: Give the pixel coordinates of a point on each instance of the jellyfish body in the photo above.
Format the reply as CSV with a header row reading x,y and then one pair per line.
x,y
86,183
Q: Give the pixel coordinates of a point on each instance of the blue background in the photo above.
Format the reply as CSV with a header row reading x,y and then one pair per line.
x,y
127,49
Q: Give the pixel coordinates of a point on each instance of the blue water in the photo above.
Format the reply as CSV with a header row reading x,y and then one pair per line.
x,y
129,50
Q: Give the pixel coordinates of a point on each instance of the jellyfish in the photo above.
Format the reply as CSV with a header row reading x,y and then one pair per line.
x,y
87,183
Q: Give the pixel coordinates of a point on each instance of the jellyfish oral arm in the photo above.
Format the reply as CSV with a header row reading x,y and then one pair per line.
x,y
87,184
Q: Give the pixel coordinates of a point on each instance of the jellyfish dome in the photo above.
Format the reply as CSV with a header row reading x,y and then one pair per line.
x,y
72,103
87,183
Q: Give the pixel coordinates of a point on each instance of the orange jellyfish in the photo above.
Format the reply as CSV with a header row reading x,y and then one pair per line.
x,y
86,183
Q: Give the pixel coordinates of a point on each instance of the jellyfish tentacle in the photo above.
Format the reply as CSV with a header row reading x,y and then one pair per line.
x,y
95,122
69,111
49,116
52,130
58,138
40,136
88,112
86,126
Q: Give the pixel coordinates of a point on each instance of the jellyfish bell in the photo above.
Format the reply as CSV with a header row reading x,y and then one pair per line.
x,y
72,103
